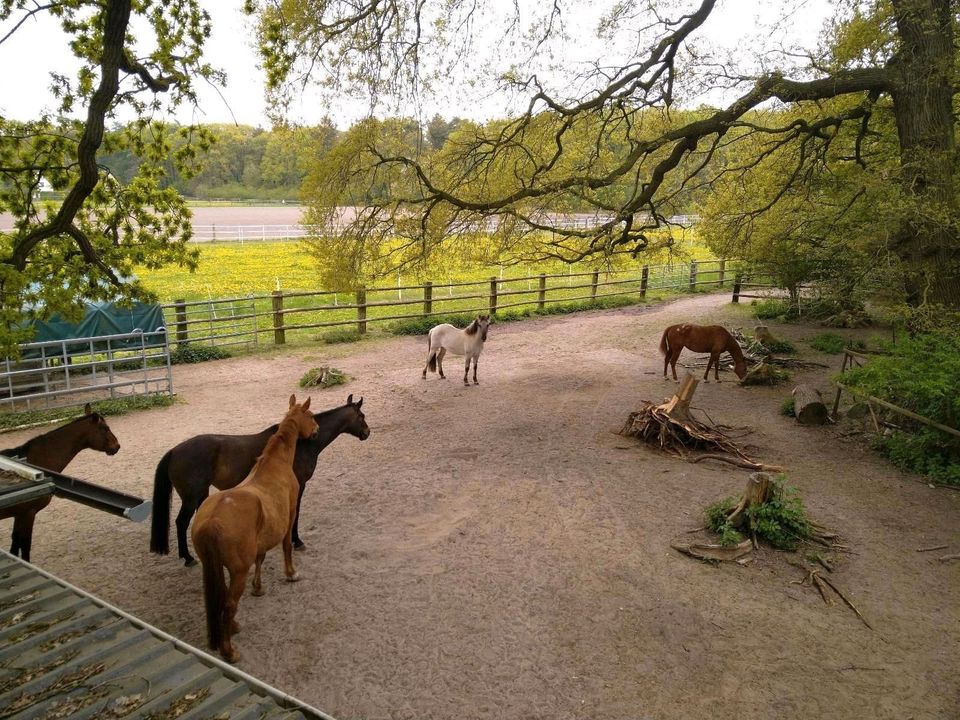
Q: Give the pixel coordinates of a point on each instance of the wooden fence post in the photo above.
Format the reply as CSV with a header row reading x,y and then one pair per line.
x,y
693,275
736,288
181,324
593,285
723,267
361,310
427,298
493,295
279,334
644,279
542,293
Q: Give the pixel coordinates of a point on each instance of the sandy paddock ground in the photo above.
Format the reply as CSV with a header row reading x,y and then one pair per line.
x,y
499,552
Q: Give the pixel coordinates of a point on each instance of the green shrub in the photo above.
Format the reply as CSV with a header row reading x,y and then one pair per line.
x,y
342,335
773,347
788,407
781,521
921,374
770,309
828,343
190,353
323,377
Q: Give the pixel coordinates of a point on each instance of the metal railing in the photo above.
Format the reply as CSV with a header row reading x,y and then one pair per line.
x,y
58,373
257,319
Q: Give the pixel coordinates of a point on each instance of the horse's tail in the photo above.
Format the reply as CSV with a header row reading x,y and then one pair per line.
x,y
160,517
664,345
207,546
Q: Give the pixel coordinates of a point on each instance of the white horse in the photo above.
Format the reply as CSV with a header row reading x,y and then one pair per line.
x,y
446,338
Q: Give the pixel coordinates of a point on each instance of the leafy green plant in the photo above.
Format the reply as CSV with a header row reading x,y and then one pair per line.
x,y
828,342
773,347
341,336
113,406
323,377
781,521
920,374
770,309
788,407
187,353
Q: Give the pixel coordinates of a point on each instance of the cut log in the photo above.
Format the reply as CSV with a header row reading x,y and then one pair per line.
x,y
808,406
757,492
714,552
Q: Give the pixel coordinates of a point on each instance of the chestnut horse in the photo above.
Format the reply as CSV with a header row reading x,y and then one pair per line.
x,y
235,528
446,338
701,338
222,461
53,451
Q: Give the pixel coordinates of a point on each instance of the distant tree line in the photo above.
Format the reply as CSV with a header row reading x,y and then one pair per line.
x,y
251,163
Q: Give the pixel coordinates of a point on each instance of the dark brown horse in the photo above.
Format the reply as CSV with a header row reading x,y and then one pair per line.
x,y
235,528
54,450
701,338
224,460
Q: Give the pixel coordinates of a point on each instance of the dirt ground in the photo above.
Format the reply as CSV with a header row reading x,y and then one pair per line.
x,y
499,552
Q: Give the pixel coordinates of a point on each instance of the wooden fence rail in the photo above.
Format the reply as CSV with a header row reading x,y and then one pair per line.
x,y
255,318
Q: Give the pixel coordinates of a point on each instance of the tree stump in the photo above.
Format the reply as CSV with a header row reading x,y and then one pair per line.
x,y
757,492
762,334
808,406
678,407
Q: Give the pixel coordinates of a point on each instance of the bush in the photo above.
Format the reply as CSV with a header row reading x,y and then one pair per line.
x,y
341,336
187,353
770,309
921,374
772,347
781,521
788,407
828,343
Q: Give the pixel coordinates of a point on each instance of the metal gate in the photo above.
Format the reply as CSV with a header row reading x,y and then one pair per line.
x,y
59,373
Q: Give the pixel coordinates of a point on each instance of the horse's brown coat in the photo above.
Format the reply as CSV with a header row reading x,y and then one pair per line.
x,y
713,339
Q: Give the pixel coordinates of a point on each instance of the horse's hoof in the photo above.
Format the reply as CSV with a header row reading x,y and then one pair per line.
x,y
189,562
257,592
476,382
299,546
293,578
232,657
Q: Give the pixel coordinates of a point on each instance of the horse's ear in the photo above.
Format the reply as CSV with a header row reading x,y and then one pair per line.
x,y
87,410
359,403
293,400
306,404
350,399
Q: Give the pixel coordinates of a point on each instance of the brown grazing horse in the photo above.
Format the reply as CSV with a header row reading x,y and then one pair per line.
x,y
224,460
701,338
235,528
54,451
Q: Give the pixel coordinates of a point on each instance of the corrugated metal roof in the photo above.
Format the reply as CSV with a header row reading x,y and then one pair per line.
x,y
66,654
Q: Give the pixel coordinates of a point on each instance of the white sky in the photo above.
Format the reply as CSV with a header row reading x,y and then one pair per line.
x,y
739,27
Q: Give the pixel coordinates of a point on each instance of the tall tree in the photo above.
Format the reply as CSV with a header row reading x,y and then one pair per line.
x,y
86,246
892,59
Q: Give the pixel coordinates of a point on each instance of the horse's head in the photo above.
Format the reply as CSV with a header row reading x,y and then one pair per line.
x,y
357,424
306,425
483,321
98,435
740,368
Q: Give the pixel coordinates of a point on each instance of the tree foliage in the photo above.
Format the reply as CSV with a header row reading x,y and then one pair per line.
x,y
85,246
865,122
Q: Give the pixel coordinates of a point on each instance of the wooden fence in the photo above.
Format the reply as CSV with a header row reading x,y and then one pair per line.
x,y
256,319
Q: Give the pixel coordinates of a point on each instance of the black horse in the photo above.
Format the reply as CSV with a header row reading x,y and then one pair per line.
x,y
225,460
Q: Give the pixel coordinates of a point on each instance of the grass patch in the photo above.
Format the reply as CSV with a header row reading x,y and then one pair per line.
x,y
774,347
323,377
828,343
782,521
188,353
340,336
770,309
113,406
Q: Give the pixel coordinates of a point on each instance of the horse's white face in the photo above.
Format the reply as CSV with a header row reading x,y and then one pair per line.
x,y
484,322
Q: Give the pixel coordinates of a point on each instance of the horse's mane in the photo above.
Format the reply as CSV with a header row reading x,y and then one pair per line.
x,y
472,328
